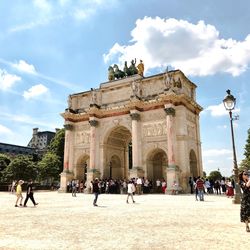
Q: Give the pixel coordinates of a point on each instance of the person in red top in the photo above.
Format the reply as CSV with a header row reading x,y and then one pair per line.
x,y
200,187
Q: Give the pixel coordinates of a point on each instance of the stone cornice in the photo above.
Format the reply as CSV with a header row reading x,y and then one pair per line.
x,y
140,105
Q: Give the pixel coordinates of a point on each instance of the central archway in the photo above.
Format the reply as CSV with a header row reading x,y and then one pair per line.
x,y
117,148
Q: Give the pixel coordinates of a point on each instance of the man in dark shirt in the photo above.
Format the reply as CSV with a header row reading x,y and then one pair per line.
x,y
30,194
96,191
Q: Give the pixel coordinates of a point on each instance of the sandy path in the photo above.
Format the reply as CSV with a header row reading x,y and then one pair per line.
x,y
153,222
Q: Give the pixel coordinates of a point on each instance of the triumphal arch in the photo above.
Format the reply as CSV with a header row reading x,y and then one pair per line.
x,y
134,126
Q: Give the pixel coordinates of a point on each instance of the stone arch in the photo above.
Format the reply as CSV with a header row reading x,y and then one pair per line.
x,y
81,167
193,164
117,171
115,146
157,162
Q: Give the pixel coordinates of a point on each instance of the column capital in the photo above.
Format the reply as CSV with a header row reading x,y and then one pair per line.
x,y
170,111
135,116
68,126
93,123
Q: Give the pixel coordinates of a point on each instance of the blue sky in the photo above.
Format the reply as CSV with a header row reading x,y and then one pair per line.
x,y
50,49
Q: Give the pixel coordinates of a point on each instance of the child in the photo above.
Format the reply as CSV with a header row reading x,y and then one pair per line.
x,y
19,192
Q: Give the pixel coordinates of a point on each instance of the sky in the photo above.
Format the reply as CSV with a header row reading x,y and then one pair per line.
x,y
52,48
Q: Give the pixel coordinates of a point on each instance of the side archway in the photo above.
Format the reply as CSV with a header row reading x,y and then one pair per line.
x,y
193,164
81,167
157,163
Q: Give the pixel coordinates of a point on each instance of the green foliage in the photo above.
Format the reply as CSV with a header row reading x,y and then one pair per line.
x,y
204,174
57,146
49,166
4,162
21,167
215,175
245,163
247,146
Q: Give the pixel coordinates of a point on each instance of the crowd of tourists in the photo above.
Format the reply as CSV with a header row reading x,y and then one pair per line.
x,y
200,186
118,186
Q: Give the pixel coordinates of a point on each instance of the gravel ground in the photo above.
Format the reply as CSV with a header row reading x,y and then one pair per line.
x,y
61,221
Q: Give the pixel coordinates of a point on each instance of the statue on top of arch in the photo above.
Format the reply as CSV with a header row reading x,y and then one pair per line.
x,y
115,73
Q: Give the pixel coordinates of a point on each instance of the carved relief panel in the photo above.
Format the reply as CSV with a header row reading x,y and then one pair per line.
x,y
153,129
82,134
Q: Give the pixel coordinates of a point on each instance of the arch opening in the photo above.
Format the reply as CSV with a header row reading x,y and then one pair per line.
x,y
117,150
157,163
193,164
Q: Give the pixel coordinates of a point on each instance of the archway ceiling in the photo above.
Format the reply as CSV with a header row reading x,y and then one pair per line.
x,y
119,136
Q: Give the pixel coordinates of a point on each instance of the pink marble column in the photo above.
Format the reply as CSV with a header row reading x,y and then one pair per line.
x,y
170,120
135,140
92,160
172,170
68,134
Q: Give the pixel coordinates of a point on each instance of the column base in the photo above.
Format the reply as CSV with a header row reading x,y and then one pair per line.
x,y
91,175
65,177
136,172
172,175
237,196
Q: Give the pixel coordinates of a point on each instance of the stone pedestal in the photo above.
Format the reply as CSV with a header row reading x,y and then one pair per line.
x,y
136,172
172,175
65,177
91,175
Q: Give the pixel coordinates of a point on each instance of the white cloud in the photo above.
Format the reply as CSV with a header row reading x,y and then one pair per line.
x,y
26,119
43,5
7,80
216,152
196,49
25,67
46,11
219,110
4,130
35,91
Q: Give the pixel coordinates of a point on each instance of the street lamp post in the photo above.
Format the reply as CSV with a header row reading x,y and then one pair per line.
x,y
229,103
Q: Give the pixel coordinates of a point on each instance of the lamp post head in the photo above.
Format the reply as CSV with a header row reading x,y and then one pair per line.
x,y
229,101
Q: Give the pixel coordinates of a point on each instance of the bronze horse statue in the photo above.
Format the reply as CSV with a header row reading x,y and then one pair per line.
x,y
118,73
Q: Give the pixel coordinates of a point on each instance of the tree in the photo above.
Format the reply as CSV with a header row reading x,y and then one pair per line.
x,y
245,163
49,167
4,162
204,174
21,167
57,146
215,175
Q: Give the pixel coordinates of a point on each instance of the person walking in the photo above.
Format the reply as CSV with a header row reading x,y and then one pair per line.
x,y
200,187
139,185
96,191
73,188
230,190
244,182
19,193
30,194
131,190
